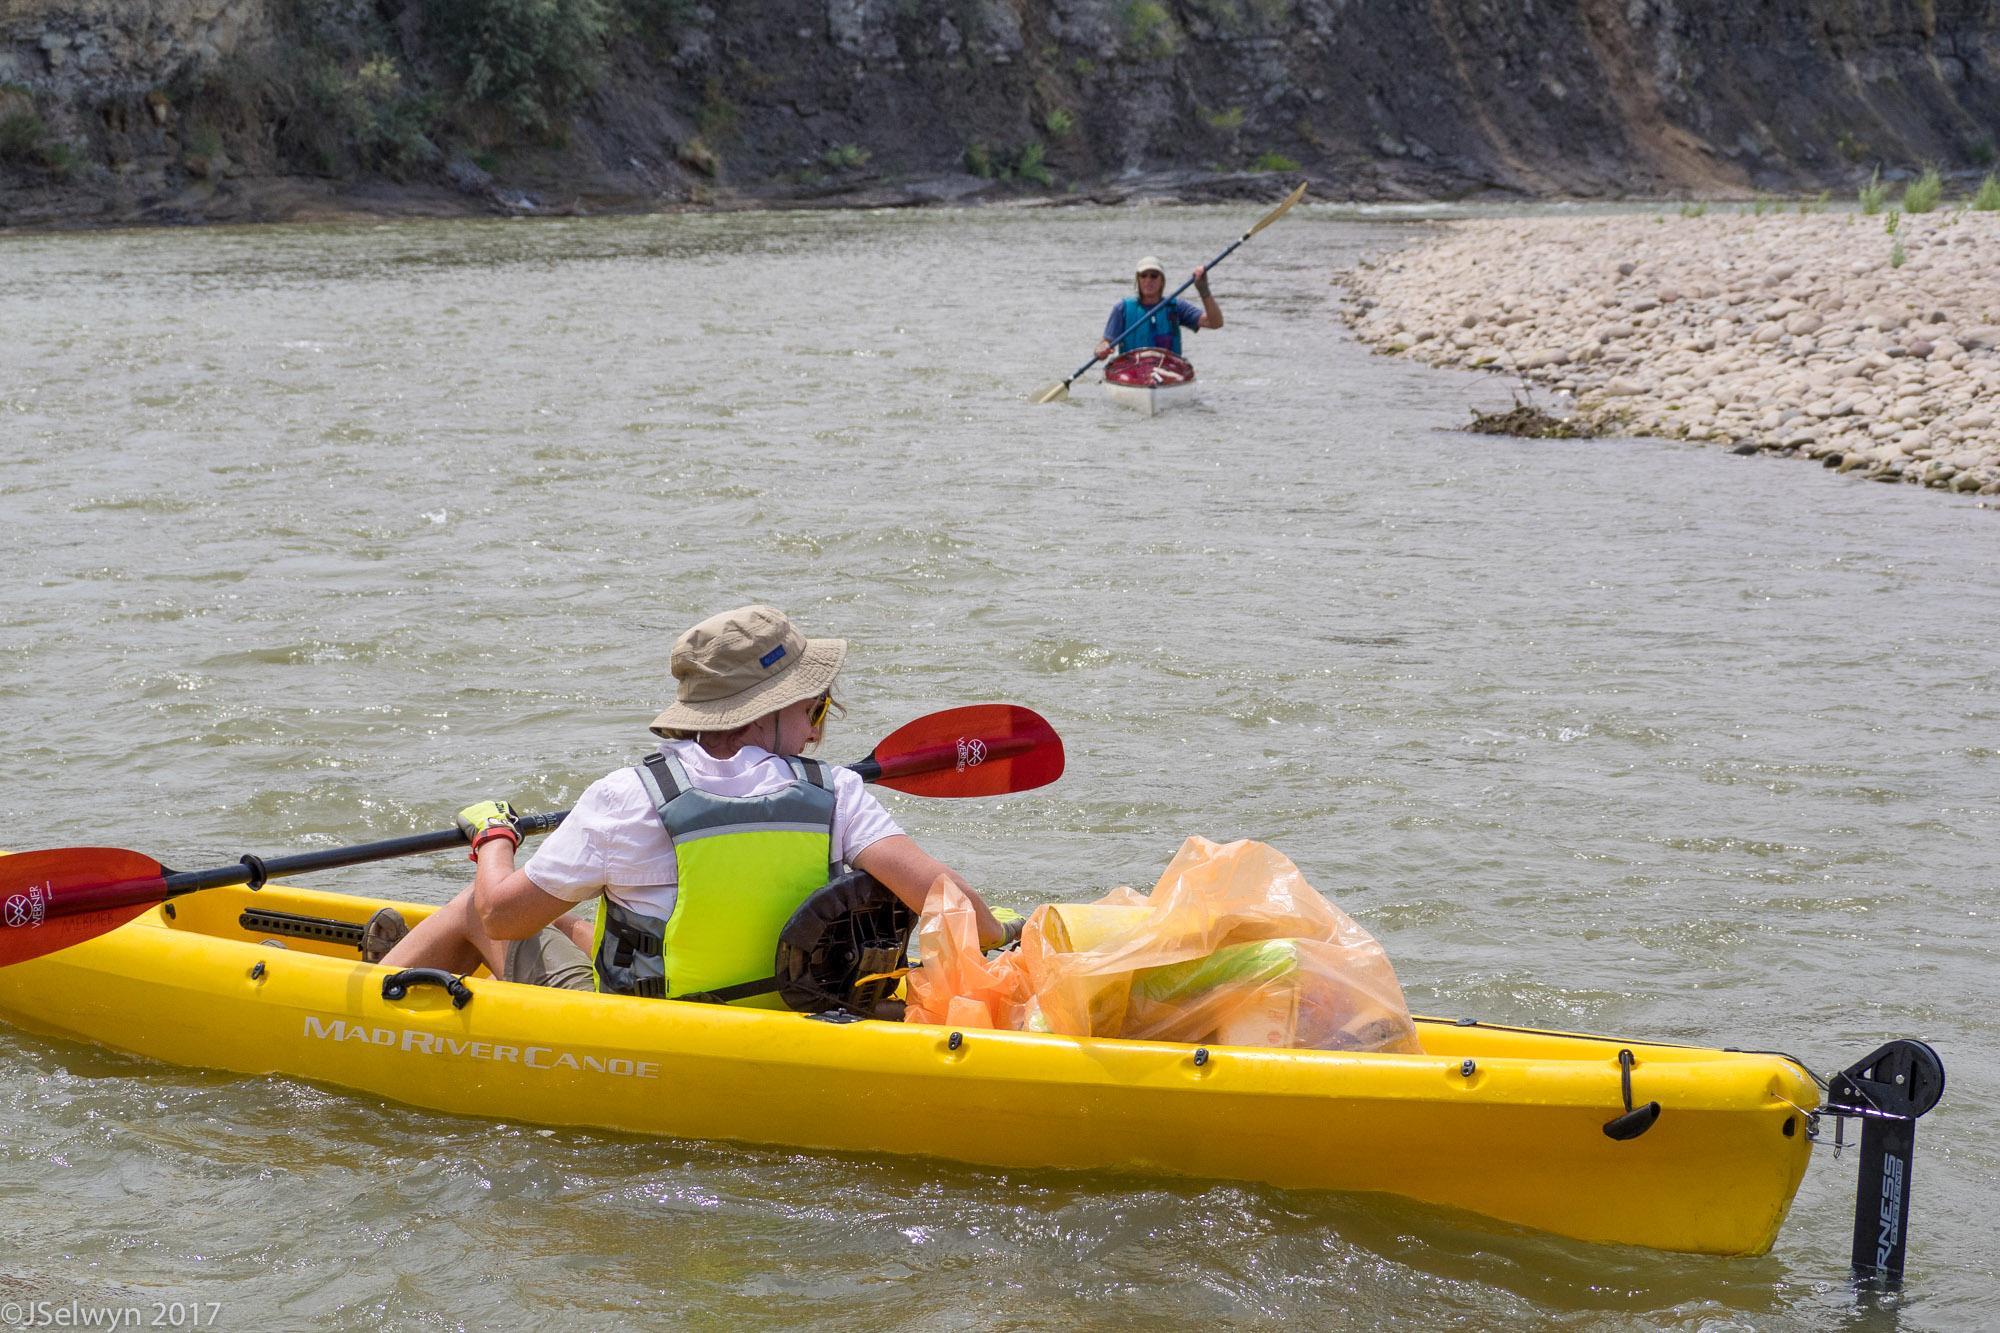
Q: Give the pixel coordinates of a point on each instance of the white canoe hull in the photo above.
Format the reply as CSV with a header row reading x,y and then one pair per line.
x,y
1153,399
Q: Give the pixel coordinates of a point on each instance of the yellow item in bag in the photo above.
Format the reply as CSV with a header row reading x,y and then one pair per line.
x,y
1231,947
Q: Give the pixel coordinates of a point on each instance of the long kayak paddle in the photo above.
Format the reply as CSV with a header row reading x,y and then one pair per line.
x,y
52,899
1061,390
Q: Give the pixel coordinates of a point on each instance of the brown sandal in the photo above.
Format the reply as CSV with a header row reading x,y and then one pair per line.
x,y
382,933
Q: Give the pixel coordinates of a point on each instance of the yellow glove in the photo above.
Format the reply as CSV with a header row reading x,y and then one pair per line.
x,y
1012,922
487,820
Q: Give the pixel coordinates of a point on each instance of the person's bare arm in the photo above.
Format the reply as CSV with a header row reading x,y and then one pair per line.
x,y
509,905
1211,313
909,871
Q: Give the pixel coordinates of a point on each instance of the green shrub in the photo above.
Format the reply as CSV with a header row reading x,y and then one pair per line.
x,y
21,136
1891,220
1816,204
716,120
1981,152
397,133
1897,257
1874,194
1987,198
1223,122
1227,15
1029,165
61,158
979,160
1150,31
844,157
367,116
1273,162
656,23
532,60
1059,122
1694,208
24,140
1923,193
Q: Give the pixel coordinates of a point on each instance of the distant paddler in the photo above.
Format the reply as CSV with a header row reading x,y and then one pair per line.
x,y
1148,321
1135,324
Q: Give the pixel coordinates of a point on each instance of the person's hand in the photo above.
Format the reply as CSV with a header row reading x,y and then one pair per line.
x,y
1103,350
1201,276
1012,923
488,820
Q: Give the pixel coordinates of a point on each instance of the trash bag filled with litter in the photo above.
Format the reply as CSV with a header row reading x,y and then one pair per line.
x,y
1232,947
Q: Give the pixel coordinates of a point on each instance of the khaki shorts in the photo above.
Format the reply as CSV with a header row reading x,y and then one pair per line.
x,y
550,959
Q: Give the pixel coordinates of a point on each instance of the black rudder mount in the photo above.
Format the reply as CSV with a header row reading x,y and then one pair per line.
x,y
1888,1090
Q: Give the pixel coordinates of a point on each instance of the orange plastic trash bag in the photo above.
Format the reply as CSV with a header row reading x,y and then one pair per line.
x,y
1232,947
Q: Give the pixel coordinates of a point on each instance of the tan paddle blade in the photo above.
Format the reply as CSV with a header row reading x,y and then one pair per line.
x,y
1059,391
1279,211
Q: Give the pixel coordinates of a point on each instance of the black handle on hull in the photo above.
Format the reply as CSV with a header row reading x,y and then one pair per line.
x,y
397,985
1636,1120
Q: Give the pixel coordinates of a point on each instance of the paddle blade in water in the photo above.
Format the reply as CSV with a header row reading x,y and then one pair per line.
x,y
982,750
1050,394
51,900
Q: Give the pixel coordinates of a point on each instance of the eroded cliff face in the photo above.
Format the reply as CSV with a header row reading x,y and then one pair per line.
x,y
194,109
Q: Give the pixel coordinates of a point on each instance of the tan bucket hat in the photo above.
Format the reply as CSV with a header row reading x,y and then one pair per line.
x,y
736,667
1149,265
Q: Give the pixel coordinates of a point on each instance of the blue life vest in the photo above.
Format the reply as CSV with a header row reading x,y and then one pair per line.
x,y
1160,328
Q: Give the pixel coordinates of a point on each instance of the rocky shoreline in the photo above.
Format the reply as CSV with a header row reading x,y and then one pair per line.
x,y
1870,343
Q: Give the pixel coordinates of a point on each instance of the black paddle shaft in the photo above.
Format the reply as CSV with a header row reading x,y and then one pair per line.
x,y
1166,302
1262,223
255,870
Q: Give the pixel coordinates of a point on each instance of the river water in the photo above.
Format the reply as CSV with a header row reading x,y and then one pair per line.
x,y
311,535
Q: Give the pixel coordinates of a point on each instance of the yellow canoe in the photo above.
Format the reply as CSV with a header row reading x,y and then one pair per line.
x,y
1498,1121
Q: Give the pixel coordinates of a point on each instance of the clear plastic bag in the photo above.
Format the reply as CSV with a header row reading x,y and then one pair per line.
x,y
1232,947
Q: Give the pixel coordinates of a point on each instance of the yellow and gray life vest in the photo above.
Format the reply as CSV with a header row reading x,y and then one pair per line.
x,y
745,864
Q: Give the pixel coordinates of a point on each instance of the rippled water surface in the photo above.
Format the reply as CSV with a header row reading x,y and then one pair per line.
x,y
311,536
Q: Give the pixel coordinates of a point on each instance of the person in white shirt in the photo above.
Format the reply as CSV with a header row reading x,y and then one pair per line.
x,y
700,854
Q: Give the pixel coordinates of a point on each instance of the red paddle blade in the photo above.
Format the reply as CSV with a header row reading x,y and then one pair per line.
x,y
51,900
982,750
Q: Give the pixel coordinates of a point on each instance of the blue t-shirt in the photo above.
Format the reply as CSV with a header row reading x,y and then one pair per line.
x,y
1184,311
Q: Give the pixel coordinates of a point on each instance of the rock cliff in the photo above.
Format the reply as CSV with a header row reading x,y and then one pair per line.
x,y
121,110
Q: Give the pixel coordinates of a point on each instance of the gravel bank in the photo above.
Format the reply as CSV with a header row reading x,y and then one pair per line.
x,y
1820,335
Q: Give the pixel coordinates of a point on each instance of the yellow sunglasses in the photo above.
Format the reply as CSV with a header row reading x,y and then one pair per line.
x,y
819,709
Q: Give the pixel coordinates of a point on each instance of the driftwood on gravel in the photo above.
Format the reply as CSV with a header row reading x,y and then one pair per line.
x,y
1528,422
